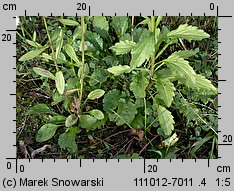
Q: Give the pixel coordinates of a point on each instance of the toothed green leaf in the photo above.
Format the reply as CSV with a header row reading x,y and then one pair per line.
x,y
139,84
165,90
67,140
123,47
118,70
181,67
188,32
142,51
166,120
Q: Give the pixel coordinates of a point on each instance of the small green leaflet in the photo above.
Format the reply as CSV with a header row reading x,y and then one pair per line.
x,y
97,114
32,54
43,73
166,120
71,120
181,67
188,32
58,120
118,70
123,47
46,132
60,82
67,140
39,109
95,94
110,100
165,90
159,18
120,24
139,84
101,25
142,51
69,22
71,52
88,122
33,43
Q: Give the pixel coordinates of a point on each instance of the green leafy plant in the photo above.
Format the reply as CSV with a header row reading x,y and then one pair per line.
x,y
108,72
154,77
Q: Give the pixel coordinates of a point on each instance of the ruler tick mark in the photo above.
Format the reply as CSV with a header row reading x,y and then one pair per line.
x,y
225,144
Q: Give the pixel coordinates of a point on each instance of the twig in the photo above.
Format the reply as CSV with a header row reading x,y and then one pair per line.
x,y
147,144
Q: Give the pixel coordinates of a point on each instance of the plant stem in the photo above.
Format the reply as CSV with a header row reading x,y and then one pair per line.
x,y
152,28
132,26
68,41
82,47
51,44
